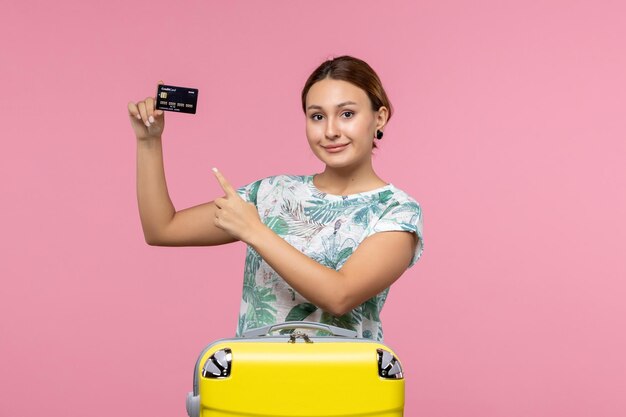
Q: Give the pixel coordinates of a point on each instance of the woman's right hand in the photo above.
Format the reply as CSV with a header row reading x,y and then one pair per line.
x,y
147,122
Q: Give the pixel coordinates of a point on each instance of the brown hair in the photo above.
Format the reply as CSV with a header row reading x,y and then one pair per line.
x,y
354,71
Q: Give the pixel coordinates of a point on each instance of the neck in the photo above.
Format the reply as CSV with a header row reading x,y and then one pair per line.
x,y
346,181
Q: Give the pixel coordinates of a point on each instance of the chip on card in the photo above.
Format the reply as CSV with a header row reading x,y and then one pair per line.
x,y
180,99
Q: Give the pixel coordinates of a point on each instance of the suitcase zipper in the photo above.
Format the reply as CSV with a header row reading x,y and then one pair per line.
x,y
297,334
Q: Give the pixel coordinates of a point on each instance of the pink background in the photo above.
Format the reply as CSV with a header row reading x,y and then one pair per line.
x,y
509,130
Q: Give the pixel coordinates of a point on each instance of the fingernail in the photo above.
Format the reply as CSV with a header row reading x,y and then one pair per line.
x,y
151,119
214,169
147,124
138,116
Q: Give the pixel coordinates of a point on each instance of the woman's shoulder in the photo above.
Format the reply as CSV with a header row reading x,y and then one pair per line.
x,y
401,196
401,204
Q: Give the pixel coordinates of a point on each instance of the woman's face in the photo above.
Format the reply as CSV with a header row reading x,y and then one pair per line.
x,y
340,123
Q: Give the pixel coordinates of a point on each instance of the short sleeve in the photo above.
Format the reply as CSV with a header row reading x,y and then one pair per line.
x,y
406,217
249,192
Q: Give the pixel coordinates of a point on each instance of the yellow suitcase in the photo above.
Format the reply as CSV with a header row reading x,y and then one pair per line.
x,y
297,373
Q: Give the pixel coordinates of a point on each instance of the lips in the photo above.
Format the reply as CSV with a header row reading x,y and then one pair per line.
x,y
335,148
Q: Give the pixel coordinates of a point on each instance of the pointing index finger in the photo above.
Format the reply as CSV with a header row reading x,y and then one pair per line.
x,y
228,189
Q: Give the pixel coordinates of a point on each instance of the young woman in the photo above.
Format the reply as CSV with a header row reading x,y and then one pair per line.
x,y
324,247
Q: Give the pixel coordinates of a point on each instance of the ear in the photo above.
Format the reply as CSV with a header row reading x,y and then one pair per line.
x,y
382,114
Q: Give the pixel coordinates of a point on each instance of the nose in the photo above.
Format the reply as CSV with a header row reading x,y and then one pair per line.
x,y
332,130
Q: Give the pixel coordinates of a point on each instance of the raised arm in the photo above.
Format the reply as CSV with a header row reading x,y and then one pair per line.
x,y
162,224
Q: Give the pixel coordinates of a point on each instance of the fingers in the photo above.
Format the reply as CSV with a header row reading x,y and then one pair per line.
x,y
228,189
150,103
145,110
219,203
133,110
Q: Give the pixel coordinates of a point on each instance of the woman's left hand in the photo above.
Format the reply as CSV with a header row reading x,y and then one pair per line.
x,y
235,215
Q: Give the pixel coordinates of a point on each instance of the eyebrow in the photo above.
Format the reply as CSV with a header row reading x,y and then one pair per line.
x,y
342,104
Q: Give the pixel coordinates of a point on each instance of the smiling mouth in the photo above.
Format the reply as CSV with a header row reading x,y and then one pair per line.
x,y
335,148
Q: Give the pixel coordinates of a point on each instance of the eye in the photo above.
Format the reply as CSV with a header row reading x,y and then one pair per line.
x,y
317,117
347,114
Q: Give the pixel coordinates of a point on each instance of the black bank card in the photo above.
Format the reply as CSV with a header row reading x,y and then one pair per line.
x,y
180,99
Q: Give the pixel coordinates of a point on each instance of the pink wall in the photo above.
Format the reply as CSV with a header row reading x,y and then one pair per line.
x,y
509,130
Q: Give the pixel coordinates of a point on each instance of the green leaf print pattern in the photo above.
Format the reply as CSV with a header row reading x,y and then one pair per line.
x,y
297,223
299,313
384,196
328,230
334,255
369,210
261,301
261,310
278,225
254,190
370,309
347,321
240,324
408,207
328,211
411,208
253,261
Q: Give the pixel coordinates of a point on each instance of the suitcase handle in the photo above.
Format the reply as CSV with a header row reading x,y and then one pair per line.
x,y
266,330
